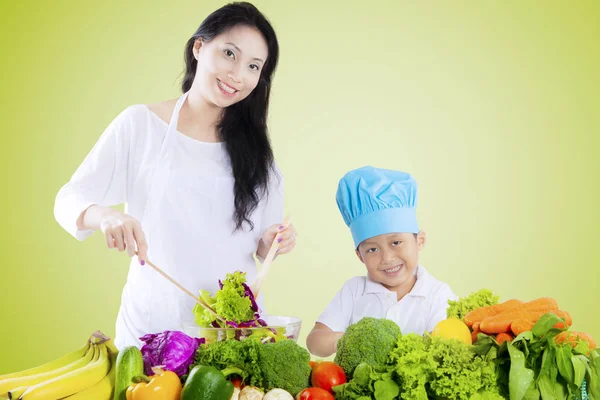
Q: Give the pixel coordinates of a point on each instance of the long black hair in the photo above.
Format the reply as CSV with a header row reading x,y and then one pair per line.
x,y
243,127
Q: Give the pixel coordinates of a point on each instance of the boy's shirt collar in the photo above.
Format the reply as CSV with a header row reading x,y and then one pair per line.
x,y
419,290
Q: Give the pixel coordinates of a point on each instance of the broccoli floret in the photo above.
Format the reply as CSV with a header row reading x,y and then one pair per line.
x,y
370,340
284,365
279,365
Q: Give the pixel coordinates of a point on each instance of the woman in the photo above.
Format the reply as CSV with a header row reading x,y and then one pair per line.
x,y
196,174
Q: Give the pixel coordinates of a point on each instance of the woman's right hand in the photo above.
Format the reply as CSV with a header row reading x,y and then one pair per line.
x,y
123,232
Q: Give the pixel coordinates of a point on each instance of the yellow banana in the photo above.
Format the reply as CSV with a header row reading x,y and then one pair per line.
x,y
102,390
49,366
110,344
30,380
71,382
16,392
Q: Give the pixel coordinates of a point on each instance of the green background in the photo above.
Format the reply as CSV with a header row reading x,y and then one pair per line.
x,y
494,107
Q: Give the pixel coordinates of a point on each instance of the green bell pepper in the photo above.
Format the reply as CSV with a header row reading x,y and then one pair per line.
x,y
208,383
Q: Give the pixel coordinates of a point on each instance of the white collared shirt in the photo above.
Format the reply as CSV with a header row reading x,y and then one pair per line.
x,y
419,311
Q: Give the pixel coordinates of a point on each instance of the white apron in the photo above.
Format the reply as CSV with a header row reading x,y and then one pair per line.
x,y
188,223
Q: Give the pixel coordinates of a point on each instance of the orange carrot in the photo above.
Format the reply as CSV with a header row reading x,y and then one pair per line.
x,y
541,304
502,322
503,337
530,311
474,336
482,313
561,314
587,338
519,326
523,321
566,316
566,337
476,326
571,337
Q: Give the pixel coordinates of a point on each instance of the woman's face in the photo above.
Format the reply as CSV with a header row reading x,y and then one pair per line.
x,y
230,65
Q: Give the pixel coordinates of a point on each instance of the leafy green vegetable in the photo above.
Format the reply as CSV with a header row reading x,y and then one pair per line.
x,y
487,395
565,365
435,367
232,354
460,372
386,388
414,365
232,302
544,324
520,377
593,375
579,366
464,305
540,368
367,384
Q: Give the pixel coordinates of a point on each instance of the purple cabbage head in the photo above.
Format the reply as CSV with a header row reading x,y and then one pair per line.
x,y
173,349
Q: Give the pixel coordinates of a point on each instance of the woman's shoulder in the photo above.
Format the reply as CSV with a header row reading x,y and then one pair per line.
x,y
144,116
162,110
141,112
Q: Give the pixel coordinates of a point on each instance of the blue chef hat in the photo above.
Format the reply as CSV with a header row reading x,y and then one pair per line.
x,y
376,201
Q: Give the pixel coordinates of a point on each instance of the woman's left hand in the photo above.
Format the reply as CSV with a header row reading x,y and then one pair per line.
x,y
285,236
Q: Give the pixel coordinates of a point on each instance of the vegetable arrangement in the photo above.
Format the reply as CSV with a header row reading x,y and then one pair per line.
x,y
522,350
484,350
534,352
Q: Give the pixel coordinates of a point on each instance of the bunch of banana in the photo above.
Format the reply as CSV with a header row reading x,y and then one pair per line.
x,y
86,373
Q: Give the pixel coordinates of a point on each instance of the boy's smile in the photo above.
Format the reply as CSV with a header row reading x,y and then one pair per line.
x,y
393,271
392,259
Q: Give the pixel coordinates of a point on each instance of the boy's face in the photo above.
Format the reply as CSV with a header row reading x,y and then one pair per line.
x,y
391,259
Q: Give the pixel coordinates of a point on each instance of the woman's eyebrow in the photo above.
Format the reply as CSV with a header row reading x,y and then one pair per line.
x,y
240,50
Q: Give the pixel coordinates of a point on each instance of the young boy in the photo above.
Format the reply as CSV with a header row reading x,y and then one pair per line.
x,y
379,207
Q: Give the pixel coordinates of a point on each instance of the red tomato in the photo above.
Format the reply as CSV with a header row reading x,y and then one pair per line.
x,y
237,382
326,374
314,394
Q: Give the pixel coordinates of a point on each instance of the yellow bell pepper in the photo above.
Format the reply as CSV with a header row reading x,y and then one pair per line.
x,y
164,385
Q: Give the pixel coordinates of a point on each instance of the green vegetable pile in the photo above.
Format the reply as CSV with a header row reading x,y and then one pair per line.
x,y
422,367
279,365
534,366
368,382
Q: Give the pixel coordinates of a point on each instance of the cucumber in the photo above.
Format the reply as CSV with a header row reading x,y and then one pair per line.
x,y
129,364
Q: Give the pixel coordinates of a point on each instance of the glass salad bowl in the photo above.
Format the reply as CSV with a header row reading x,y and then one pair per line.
x,y
278,327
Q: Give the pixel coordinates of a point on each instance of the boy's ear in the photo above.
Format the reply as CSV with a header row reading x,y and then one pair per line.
x,y
421,239
359,256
